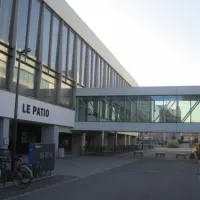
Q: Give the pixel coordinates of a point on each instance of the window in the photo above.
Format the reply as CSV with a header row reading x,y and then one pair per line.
x,y
46,35
47,88
35,12
83,56
22,23
78,63
66,95
109,77
101,73
54,46
70,55
64,49
88,76
93,69
26,80
5,17
3,62
97,73
105,75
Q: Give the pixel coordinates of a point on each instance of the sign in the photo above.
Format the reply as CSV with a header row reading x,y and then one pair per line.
x,y
42,159
34,110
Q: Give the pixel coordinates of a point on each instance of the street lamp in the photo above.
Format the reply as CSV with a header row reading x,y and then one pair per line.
x,y
14,136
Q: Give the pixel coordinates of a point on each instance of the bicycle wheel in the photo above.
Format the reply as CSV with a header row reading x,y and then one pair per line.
x,y
23,176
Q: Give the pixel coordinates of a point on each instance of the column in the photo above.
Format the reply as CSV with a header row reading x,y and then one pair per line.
x,y
50,134
78,142
121,140
4,133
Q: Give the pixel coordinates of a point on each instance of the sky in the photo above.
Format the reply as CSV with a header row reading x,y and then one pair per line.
x,y
157,41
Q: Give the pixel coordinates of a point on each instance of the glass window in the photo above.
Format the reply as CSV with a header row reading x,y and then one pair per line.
x,y
195,109
70,55
5,17
105,75
54,46
109,77
89,66
97,73
170,112
101,73
93,69
47,88
183,109
78,77
3,62
26,81
22,23
157,109
83,56
35,12
46,35
64,49
66,95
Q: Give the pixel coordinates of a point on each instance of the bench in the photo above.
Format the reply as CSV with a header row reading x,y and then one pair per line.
x,y
181,155
160,154
138,153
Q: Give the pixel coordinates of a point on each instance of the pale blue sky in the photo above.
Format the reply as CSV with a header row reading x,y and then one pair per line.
x,y
157,41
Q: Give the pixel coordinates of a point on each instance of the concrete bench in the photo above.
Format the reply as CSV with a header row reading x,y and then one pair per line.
x,y
138,153
181,155
160,154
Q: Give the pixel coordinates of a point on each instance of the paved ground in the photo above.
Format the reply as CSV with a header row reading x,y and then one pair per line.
x,y
145,179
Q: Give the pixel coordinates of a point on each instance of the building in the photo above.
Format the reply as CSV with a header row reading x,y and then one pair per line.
x,y
65,55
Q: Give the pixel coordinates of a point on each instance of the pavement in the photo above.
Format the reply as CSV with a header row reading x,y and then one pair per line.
x,y
120,177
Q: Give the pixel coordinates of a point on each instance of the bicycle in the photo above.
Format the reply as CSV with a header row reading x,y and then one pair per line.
x,y
22,176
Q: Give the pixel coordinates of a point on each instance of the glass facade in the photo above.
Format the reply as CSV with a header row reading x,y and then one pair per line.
x,y
55,47
139,109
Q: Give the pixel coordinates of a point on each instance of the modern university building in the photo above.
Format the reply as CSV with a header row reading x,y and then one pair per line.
x,y
65,55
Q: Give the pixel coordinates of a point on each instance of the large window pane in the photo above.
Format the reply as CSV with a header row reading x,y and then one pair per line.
x,y
195,109
157,108
83,56
183,109
70,55
102,73
170,111
35,12
97,73
66,95
22,23
46,35
64,49
109,77
78,63
93,69
47,88
54,46
3,63
105,75
26,81
5,17
89,66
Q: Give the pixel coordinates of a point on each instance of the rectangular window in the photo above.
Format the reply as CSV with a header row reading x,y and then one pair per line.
x,y
46,35
22,23
83,57
66,95
64,49
3,63
93,69
47,88
26,81
78,62
105,75
70,55
54,46
89,66
5,18
101,73
97,73
109,77
34,21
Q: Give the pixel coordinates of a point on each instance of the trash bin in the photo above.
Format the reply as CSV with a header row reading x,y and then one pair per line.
x,y
61,152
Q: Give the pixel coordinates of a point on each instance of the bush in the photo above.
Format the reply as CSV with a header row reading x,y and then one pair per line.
x,y
173,144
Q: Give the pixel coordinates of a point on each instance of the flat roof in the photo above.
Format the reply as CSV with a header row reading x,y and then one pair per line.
x,y
62,8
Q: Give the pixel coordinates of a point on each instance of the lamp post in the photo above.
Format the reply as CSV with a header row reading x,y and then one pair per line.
x,y
14,136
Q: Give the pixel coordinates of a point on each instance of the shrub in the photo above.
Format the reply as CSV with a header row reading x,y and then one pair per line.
x,y
173,144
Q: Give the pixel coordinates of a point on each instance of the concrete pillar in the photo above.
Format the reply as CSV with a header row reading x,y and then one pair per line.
x,y
99,139
4,133
121,140
78,142
50,134
129,140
